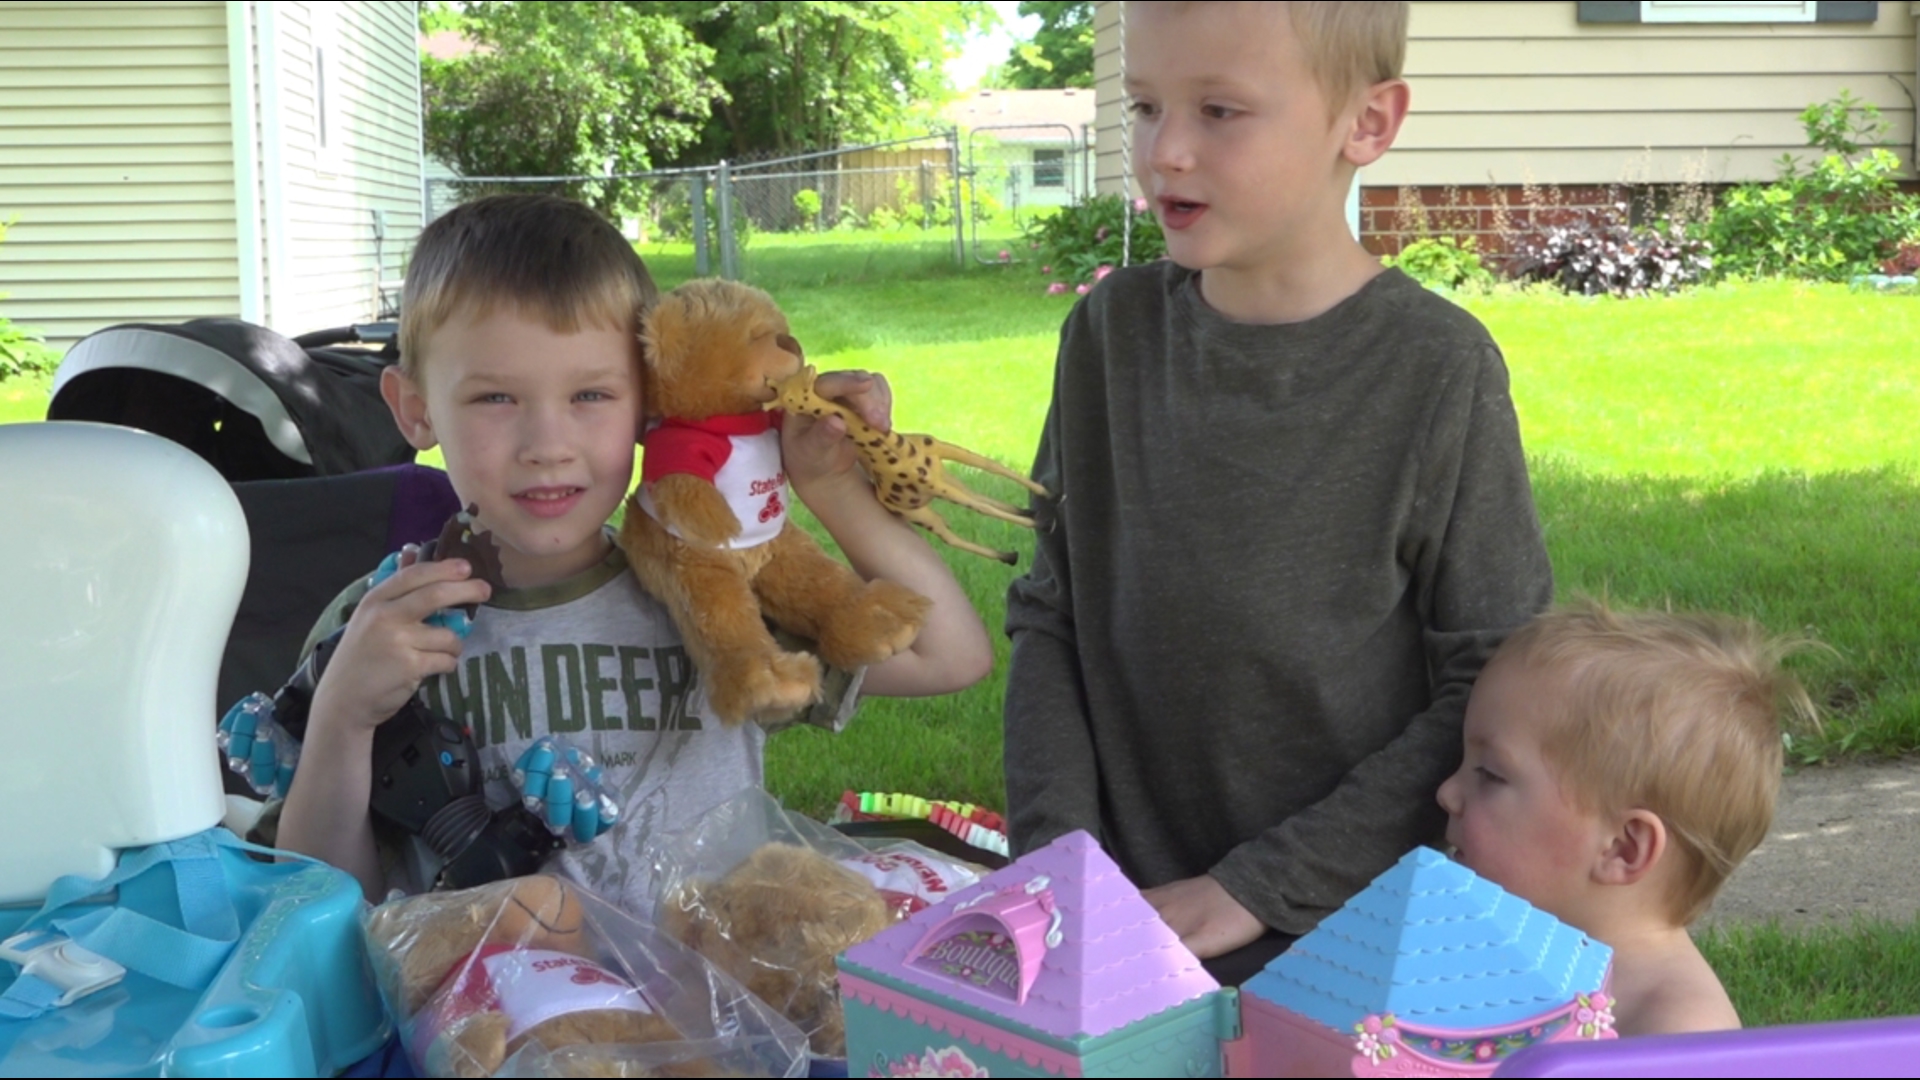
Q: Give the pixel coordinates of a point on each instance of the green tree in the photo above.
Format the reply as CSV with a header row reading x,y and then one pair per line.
x,y
564,88
1061,52
802,76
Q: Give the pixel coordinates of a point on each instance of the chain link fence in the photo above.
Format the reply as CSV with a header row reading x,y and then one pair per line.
x,y
1015,171
738,219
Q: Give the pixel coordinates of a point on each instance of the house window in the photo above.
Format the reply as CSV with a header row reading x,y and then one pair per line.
x,y
1049,168
1702,11
1740,11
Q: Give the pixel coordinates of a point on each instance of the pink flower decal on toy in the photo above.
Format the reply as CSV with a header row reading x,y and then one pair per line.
x,y
587,975
935,1063
1378,1037
1595,1016
773,509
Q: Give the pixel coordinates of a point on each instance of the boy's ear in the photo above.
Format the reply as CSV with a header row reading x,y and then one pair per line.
x,y
1639,841
1377,124
409,408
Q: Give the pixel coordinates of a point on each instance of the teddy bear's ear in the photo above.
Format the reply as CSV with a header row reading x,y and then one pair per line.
x,y
792,345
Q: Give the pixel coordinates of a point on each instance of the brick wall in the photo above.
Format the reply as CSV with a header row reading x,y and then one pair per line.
x,y
1495,216
1499,217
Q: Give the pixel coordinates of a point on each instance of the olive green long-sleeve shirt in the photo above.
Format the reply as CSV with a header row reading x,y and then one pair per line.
x,y
1279,557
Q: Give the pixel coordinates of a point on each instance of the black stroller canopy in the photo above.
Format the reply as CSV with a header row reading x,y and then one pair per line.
x,y
252,402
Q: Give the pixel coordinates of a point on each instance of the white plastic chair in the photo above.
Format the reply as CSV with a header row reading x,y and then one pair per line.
x,y
122,560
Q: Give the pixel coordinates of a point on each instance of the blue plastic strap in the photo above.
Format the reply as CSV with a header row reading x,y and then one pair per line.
x,y
186,956
28,997
206,907
144,944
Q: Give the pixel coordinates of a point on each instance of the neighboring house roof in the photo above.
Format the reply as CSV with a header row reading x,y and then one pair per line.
x,y
447,44
1114,962
1070,108
1436,946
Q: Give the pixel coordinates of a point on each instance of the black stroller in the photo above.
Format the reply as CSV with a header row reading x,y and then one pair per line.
x,y
298,427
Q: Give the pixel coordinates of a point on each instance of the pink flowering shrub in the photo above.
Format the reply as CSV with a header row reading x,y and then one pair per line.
x,y
1083,243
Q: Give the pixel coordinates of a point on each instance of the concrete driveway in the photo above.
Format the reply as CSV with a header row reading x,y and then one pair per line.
x,y
1845,842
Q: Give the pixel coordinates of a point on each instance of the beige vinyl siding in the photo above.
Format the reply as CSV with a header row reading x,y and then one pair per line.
x,y
116,165
1109,139
328,200
1507,92
1512,91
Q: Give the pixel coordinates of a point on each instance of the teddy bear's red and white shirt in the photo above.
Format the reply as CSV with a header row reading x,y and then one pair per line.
x,y
738,454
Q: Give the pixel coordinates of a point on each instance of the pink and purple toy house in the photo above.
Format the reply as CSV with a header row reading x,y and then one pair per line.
x,y
1054,966
1430,971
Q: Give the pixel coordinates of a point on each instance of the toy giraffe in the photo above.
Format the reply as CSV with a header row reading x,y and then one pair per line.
x,y
908,471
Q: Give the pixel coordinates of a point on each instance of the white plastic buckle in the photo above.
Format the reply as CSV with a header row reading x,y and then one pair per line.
x,y
54,959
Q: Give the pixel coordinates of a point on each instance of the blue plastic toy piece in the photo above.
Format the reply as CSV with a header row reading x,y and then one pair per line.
x,y
292,997
1433,943
453,618
257,747
561,783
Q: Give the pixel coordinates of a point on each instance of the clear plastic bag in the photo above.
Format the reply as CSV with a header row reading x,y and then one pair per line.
x,y
772,898
538,977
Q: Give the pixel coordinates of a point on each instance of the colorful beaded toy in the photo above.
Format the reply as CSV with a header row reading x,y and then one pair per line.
x,y
976,825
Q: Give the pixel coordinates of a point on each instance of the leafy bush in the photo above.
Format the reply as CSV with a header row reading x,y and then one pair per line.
x,y
1600,252
1076,242
23,353
806,202
932,207
1833,221
1443,262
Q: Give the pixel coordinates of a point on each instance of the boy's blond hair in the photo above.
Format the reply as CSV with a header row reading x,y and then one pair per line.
x,y
1679,714
557,260
1347,45
1350,45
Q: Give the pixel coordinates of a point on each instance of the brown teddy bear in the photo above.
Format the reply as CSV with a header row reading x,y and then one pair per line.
x,y
775,923
483,972
707,532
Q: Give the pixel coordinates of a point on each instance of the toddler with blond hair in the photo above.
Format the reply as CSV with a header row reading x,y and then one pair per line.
x,y
1618,767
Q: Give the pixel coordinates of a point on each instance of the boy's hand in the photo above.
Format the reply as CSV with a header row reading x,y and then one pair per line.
x,y
1209,921
815,450
388,647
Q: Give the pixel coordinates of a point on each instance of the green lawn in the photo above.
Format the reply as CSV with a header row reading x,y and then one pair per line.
x,y
1777,976
1747,449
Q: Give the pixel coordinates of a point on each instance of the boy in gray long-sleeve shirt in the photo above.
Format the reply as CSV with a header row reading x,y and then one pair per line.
x,y
1293,516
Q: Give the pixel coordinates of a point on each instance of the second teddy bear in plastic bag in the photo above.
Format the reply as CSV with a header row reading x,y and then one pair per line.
x,y
536,977
771,898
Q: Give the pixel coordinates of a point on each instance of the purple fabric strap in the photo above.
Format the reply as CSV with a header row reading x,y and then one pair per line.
x,y
423,500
